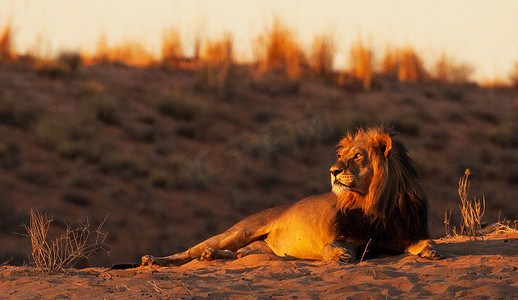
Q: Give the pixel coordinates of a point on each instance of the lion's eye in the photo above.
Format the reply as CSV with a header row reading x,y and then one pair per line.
x,y
358,155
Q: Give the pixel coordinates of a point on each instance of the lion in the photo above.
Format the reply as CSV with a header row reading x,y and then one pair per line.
x,y
377,206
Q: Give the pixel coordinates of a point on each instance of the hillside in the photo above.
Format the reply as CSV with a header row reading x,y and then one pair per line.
x,y
171,163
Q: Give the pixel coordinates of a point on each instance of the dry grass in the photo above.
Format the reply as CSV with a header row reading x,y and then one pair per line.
x,y
505,227
389,64
216,67
128,52
361,63
472,211
172,50
62,252
6,44
514,76
410,66
278,52
322,55
447,70
405,64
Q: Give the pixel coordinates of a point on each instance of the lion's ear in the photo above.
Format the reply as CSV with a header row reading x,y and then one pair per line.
x,y
385,144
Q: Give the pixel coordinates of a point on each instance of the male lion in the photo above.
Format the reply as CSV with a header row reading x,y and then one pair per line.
x,y
377,203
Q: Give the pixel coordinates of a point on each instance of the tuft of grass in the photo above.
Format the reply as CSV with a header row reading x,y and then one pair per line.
x,y
389,63
449,71
6,44
216,67
127,52
472,211
405,64
361,63
514,76
447,221
67,248
172,50
410,66
66,63
278,51
322,55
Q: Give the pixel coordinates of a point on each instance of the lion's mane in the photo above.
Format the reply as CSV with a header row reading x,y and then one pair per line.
x,y
393,214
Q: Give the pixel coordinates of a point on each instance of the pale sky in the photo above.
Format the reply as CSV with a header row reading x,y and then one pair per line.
x,y
483,34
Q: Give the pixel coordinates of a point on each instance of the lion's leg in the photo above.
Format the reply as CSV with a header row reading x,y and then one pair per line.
x,y
229,240
240,235
257,247
425,249
340,250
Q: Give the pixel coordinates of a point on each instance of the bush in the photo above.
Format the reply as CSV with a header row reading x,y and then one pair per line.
x,y
6,44
70,139
216,68
277,51
64,251
514,75
361,63
104,108
19,114
179,107
471,211
322,55
172,51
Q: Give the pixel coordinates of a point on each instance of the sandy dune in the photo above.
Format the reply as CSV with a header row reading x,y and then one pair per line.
x,y
485,268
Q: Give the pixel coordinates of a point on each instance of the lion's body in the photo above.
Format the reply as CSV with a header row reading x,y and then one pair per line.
x,y
304,228
377,203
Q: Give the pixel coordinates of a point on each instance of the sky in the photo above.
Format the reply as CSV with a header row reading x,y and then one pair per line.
x,y
480,33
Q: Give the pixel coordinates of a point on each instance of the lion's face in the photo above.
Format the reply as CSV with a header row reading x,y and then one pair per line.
x,y
352,171
358,158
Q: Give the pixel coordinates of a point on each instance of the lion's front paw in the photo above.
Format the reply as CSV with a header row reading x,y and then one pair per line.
x,y
345,256
431,254
208,254
334,251
148,260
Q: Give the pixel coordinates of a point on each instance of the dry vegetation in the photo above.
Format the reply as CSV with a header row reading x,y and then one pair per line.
x,y
472,211
361,62
51,255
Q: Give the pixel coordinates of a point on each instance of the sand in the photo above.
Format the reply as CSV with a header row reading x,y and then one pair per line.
x,y
484,268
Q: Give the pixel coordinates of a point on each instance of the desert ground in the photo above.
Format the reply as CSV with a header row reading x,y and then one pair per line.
x,y
486,268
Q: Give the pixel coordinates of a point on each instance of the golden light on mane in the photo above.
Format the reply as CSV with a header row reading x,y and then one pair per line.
x,y
394,184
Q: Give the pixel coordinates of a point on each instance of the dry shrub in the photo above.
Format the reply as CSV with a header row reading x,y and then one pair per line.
x,y
514,75
322,55
172,51
278,52
472,211
216,67
410,66
65,64
389,63
6,44
404,64
447,70
128,52
67,248
361,62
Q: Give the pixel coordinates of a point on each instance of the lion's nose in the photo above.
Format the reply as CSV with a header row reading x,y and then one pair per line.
x,y
335,170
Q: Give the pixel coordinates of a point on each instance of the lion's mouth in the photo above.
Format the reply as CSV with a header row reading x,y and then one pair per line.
x,y
343,185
